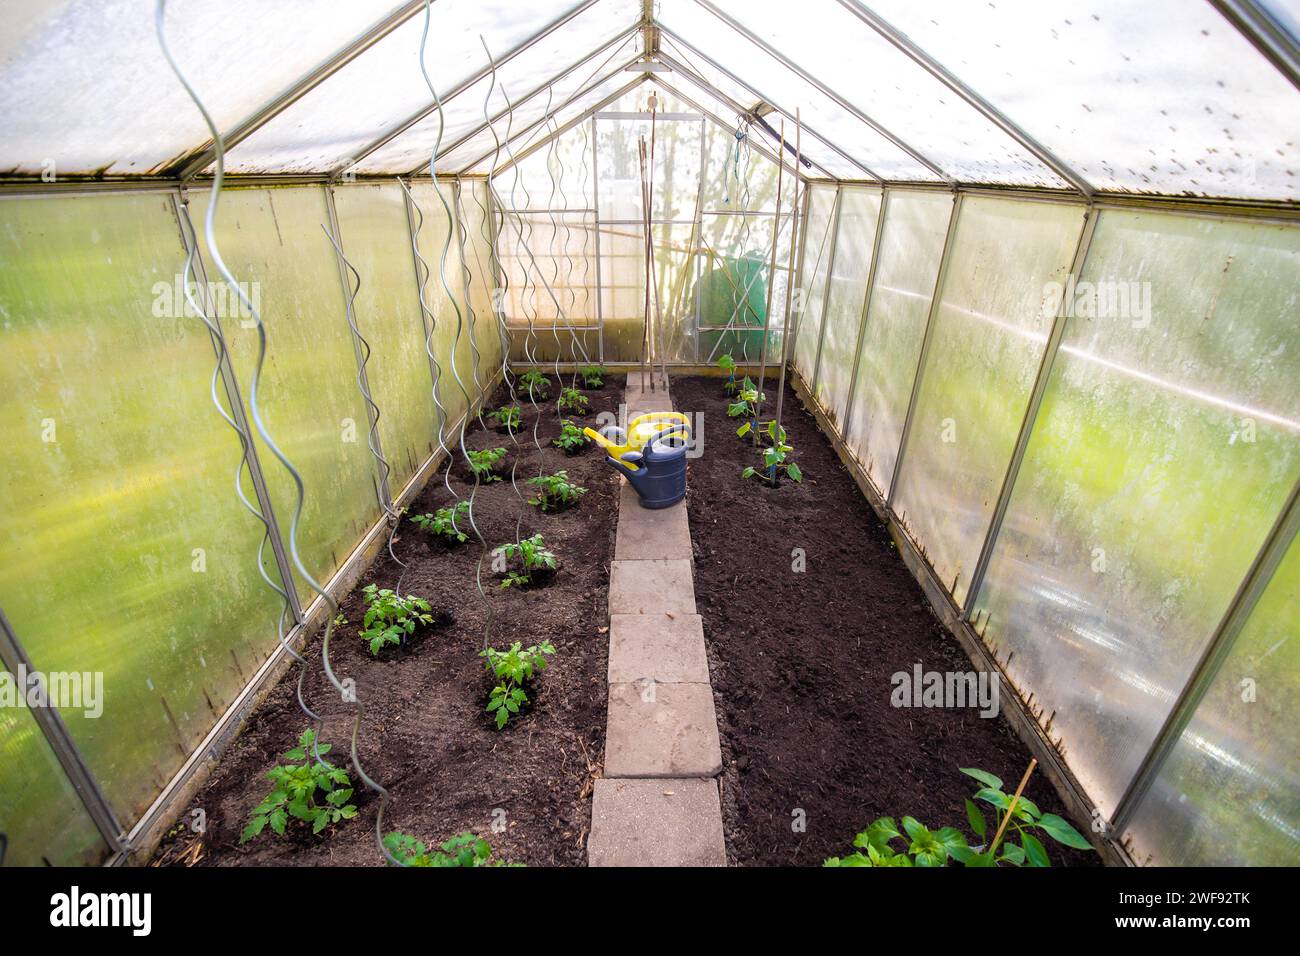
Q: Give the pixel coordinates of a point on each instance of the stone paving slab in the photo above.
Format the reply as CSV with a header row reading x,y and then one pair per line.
x,y
656,823
657,647
661,730
651,587
648,533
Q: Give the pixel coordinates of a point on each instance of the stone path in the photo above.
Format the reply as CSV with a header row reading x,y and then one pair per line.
x,y
657,803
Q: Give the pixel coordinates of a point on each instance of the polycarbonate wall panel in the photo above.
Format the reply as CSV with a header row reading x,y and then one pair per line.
x,y
734,286
859,213
676,168
1233,769
375,236
124,552
911,246
738,178
550,288
78,75
271,239
1008,263
806,317
1168,439
45,821
1140,97
555,177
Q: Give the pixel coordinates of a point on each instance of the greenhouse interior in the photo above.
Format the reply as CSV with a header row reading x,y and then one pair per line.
x,y
650,432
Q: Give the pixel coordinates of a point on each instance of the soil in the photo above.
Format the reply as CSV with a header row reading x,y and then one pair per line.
x,y
426,735
801,663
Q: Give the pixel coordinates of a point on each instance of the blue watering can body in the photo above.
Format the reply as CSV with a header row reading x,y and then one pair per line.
x,y
658,471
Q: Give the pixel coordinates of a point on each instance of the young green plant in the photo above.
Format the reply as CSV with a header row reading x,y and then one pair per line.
x,y
1021,843
508,417
513,669
572,438
746,400
728,365
445,522
775,457
533,558
572,400
391,619
536,383
483,463
555,492
593,376
305,788
464,849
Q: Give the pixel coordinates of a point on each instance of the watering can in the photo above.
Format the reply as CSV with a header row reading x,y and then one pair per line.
x,y
651,455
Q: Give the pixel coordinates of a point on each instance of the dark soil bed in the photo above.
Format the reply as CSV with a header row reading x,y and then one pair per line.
x,y
801,663
426,736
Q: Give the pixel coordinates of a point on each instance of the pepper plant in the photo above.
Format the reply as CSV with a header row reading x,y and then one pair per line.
x,y
775,456
443,522
572,400
571,437
533,558
728,365
1020,841
483,463
593,376
507,416
555,492
464,849
746,400
390,619
306,788
513,669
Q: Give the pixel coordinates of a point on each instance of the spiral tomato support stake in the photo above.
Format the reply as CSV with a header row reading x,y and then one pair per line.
x,y
254,407
245,444
372,438
422,274
498,270
452,228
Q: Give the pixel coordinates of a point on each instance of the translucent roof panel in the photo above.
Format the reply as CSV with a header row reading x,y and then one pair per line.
x,y
702,37
525,126
335,122
1136,97
529,74
845,55
87,89
826,161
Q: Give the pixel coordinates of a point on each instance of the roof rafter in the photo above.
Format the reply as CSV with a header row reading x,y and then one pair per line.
x,y
397,130
542,88
743,31
514,159
756,145
1269,37
936,69
200,159
694,77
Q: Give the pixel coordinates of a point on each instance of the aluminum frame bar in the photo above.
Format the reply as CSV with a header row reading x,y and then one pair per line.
x,y
904,45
